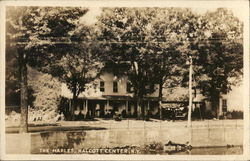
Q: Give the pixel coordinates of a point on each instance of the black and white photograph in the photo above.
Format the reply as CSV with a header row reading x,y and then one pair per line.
x,y
125,80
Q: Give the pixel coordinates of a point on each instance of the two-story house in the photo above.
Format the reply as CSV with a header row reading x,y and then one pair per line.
x,y
108,95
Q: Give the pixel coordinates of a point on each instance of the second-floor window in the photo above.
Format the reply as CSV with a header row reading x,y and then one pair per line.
x,y
102,88
150,87
224,105
115,87
129,86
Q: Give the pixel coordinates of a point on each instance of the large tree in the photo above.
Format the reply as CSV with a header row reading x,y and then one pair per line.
x,y
79,63
220,55
123,33
170,43
32,31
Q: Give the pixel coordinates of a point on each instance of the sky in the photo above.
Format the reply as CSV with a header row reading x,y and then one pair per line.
x,y
91,17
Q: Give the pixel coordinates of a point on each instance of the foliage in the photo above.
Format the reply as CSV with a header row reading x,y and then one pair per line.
x,y
157,42
234,115
154,43
12,117
71,58
170,42
125,30
153,147
221,56
31,32
12,86
46,89
210,114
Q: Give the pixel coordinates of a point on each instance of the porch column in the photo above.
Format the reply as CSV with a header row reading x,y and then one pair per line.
x,y
220,112
83,107
70,107
108,113
108,104
86,107
148,107
127,106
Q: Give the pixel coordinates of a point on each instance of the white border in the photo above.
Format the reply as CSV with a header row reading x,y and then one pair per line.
x,y
242,5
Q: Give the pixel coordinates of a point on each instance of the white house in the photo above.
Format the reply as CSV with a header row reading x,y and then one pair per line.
x,y
109,94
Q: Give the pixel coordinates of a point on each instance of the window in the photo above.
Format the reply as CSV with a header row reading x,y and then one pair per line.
x,y
102,88
152,87
129,87
115,87
224,105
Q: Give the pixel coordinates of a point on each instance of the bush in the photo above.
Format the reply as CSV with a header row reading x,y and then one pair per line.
x,y
153,147
117,117
209,115
234,114
46,91
13,117
44,115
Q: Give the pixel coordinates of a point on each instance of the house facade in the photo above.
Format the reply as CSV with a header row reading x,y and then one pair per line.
x,y
232,101
108,95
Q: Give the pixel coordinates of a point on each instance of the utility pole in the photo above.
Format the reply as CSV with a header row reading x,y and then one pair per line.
x,y
190,91
190,99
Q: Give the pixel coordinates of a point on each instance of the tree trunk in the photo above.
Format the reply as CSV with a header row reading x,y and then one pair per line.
x,y
215,100
139,109
24,96
73,104
160,98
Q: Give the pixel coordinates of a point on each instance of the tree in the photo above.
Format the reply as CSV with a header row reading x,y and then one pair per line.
x,y
12,86
74,60
220,55
77,68
32,31
169,45
123,33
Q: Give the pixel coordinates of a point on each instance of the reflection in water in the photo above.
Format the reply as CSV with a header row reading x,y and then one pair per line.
x,y
74,138
61,142
203,151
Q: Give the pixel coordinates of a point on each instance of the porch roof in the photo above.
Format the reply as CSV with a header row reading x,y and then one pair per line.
x,y
117,97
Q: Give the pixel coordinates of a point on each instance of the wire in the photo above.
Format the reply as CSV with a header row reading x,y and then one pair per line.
x,y
123,42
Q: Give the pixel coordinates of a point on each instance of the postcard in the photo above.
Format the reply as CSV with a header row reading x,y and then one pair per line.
x,y
125,80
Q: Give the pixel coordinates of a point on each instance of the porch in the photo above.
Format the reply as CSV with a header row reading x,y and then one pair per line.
x,y
108,107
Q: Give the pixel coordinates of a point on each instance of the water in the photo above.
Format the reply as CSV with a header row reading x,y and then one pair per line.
x,y
206,151
97,142
215,151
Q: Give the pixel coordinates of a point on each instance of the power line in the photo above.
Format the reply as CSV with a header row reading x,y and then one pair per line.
x,y
125,42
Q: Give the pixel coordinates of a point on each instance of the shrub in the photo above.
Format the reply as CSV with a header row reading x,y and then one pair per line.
x,y
209,115
46,93
13,117
154,146
234,114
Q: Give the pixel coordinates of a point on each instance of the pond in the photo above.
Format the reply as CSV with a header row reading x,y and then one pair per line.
x,y
109,142
238,150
